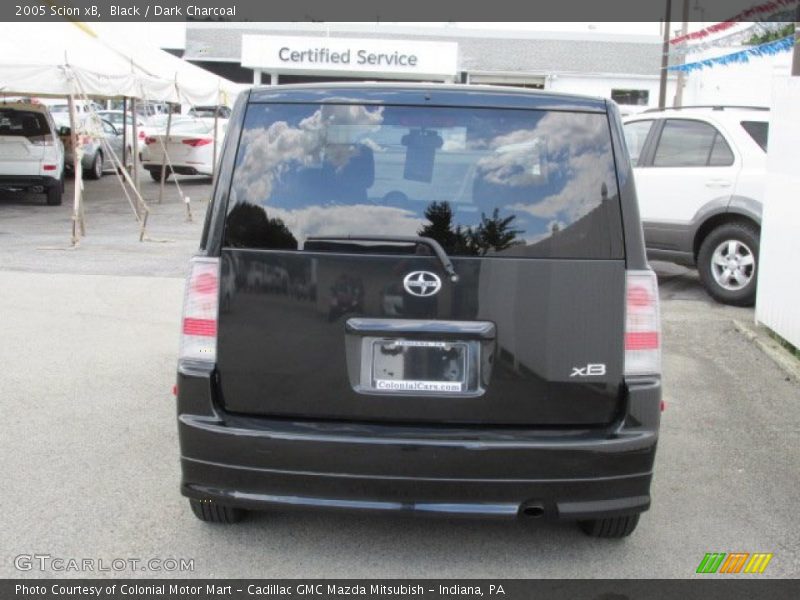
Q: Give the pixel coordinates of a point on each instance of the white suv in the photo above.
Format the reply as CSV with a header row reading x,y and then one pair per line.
x,y
31,153
700,174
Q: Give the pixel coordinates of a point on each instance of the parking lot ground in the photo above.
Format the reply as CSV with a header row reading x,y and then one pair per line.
x,y
36,237
90,469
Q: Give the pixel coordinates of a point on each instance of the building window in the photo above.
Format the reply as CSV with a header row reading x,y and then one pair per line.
x,y
634,97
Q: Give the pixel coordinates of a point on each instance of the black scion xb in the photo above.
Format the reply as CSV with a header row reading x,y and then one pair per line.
x,y
429,299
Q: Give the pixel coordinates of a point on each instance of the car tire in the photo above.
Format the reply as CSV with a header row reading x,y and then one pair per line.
x,y
728,263
612,527
96,170
210,511
55,194
156,175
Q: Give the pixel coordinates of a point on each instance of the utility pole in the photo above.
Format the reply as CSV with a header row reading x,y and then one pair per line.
x,y
796,53
681,75
662,90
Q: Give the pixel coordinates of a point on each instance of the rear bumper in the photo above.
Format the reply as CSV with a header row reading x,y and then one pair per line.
x,y
180,169
262,463
25,182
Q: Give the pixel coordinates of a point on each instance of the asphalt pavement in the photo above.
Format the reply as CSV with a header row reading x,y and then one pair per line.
x,y
90,456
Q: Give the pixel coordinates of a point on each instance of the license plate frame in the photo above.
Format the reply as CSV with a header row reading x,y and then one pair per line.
x,y
414,366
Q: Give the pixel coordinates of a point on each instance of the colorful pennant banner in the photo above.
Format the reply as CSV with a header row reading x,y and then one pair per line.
x,y
737,38
743,56
750,14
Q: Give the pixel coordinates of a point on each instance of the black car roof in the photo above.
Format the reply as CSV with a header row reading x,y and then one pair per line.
x,y
432,94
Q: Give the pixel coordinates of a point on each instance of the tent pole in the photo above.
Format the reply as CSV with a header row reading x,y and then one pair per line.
x,y
214,155
135,148
164,157
77,226
125,130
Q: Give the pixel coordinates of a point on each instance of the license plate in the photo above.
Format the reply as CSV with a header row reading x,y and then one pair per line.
x,y
419,366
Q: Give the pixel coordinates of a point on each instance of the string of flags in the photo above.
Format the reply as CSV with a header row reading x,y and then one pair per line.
x,y
743,56
776,23
750,14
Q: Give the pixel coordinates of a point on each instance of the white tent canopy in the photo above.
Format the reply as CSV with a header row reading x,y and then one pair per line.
x,y
62,59
65,58
68,59
195,85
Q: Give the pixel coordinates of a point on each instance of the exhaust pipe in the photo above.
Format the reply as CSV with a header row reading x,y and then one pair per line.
x,y
531,510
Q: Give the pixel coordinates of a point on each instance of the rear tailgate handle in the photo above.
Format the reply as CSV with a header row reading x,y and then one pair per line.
x,y
718,183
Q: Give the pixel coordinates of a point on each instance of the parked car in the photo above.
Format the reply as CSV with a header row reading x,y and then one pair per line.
x,y
700,176
150,109
95,161
31,153
158,123
517,373
115,117
61,107
190,147
206,112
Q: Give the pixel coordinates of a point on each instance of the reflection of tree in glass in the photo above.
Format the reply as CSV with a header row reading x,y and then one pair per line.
x,y
453,238
493,233
249,226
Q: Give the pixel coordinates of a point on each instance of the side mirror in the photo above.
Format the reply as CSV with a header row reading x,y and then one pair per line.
x,y
64,131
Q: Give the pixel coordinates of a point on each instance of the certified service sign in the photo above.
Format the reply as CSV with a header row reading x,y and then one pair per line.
x,y
409,59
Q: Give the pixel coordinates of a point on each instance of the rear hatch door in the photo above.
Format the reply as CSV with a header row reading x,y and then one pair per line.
x,y
423,265
22,138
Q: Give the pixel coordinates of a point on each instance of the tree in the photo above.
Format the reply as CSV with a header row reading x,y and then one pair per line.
x,y
493,233
453,238
249,227
771,36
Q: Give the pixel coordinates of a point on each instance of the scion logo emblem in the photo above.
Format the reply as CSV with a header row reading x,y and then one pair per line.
x,y
422,283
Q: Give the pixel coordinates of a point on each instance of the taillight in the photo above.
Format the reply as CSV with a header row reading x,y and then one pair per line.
x,y
49,167
150,140
142,135
199,325
642,324
194,142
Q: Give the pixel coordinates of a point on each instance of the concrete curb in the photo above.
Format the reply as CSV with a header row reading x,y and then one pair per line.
x,y
779,355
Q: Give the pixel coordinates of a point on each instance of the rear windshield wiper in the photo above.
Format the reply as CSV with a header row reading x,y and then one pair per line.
x,y
400,239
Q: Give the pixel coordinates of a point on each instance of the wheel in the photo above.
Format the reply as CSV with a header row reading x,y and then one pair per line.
x,y
96,170
156,174
727,263
212,512
612,527
54,194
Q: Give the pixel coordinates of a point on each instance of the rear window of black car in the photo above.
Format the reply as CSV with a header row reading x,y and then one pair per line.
x,y
480,181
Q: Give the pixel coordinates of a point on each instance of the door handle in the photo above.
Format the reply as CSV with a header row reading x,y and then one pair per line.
x,y
718,183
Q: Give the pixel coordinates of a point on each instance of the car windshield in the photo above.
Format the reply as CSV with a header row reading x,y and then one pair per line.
x,y
116,118
520,182
202,112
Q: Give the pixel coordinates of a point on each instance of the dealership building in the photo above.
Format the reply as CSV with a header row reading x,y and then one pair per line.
x,y
623,67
